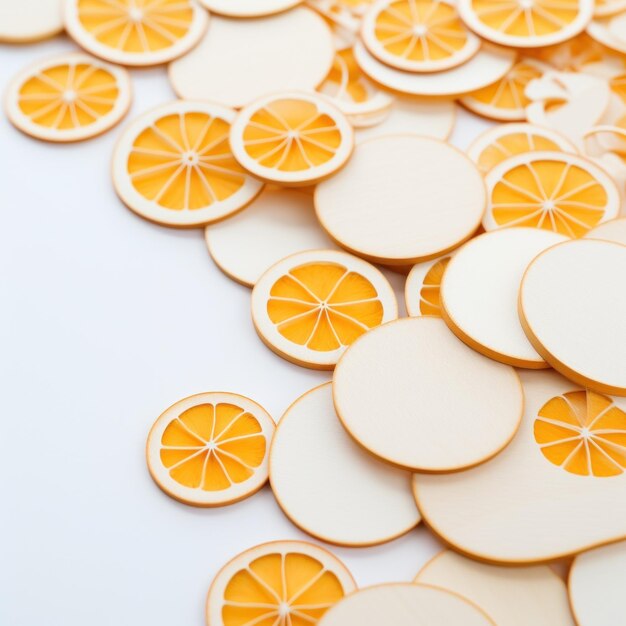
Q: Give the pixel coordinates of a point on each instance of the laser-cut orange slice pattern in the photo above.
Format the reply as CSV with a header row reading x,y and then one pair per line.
x,y
584,433
430,296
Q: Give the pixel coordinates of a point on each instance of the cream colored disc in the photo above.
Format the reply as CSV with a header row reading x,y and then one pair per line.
x,y
30,20
309,307
517,596
596,586
613,230
248,8
610,31
422,291
582,337
277,224
331,488
486,67
404,604
557,489
445,406
480,289
239,61
174,166
394,204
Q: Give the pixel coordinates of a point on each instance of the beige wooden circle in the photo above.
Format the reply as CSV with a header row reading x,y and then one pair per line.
x,y
207,448
380,206
581,336
610,31
289,142
480,289
422,290
239,61
321,347
30,20
404,604
138,23
248,8
512,596
70,101
527,10
417,32
278,223
187,159
445,406
487,66
331,488
613,230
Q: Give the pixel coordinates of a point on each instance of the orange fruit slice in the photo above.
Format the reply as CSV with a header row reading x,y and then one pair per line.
x,y
174,166
555,191
418,35
571,55
505,100
423,284
210,449
283,583
584,433
68,98
135,32
311,306
526,23
508,140
609,7
292,138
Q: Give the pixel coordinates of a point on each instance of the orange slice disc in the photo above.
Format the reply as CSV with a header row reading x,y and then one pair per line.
x,y
418,36
508,140
571,55
68,98
311,306
423,284
248,8
292,138
282,582
135,32
551,190
210,449
174,166
526,23
30,20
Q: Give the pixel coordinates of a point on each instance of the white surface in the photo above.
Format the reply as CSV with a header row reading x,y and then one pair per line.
x,y
106,320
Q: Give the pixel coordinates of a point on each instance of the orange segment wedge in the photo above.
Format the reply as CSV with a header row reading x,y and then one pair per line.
x,y
210,449
423,284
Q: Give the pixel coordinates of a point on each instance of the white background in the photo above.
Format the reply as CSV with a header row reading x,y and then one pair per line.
x,y
106,320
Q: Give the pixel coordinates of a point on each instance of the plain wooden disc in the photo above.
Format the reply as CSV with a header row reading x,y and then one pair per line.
x,y
445,406
30,20
613,230
573,310
331,488
393,203
480,289
248,8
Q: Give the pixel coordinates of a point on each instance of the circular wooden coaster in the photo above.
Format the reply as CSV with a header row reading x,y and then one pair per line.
x,y
613,230
445,406
30,20
370,207
581,337
248,8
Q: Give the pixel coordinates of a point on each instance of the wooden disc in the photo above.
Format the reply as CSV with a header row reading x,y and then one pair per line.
x,y
613,230
30,20
445,406
404,604
393,202
517,596
581,337
610,31
540,498
331,488
239,61
248,8
480,289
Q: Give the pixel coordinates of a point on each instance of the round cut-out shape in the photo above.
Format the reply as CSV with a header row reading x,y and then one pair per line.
x,y
277,224
610,31
426,36
240,61
526,23
613,230
331,488
393,203
67,98
404,604
487,66
480,290
512,596
137,34
211,449
574,313
422,292
292,138
282,580
30,20
309,307
556,191
248,8
430,404
174,166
